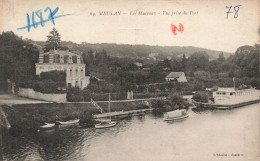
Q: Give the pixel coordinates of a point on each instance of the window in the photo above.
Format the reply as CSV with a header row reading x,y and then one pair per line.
x,y
46,58
77,83
70,72
66,58
76,72
82,74
74,59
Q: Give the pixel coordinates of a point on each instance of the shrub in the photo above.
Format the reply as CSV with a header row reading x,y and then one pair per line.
x,y
49,82
55,75
159,106
176,101
74,94
200,97
45,86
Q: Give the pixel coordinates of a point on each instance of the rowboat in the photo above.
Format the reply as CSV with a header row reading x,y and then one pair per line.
x,y
47,126
68,122
176,115
107,122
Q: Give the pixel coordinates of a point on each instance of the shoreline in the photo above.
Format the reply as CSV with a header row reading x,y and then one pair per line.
x,y
32,116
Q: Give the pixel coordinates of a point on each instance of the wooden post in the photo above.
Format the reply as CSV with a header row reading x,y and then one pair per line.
x,y
1,144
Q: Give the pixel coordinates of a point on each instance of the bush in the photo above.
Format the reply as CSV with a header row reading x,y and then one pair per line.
x,y
200,97
55,75
46,86
176,101
74,94
49,82
159,106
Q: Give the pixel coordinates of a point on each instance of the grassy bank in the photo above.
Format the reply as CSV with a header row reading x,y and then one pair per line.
x,y
31,116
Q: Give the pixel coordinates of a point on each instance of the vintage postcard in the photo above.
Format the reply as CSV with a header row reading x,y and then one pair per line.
x,y
129,80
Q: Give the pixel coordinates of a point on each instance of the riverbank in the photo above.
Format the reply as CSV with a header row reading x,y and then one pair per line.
x,y
32,116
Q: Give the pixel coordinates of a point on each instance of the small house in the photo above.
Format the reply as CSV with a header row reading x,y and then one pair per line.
x,y
176,76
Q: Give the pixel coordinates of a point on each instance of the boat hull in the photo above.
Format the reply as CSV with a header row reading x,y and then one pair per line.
x,y
68,122
176,118
102,126
47,126
227,107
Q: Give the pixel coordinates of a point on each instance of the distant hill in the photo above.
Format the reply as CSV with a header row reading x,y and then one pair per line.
x,y
124,50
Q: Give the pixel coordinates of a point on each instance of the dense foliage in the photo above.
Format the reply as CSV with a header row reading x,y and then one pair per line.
x,y
17,59
55,75
120,74
48,82
74,94
200,97
174,101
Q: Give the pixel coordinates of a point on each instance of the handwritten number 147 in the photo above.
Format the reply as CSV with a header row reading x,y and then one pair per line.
x,y
38,15
236,9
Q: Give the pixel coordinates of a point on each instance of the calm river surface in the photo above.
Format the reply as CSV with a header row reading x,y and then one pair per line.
x,y
211,135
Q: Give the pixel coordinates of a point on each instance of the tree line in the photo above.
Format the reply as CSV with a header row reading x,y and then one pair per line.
x,y
119,74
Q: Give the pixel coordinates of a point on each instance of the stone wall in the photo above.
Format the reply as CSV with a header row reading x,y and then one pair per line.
x,y
30,93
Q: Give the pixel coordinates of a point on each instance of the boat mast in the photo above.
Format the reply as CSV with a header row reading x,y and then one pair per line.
x,y
109,103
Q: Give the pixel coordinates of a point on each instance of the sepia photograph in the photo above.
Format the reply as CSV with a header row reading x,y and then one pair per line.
x,y
129,80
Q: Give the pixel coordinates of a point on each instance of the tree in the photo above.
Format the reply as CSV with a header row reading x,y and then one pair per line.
x,y
221,58
200,74
247,60
53,41
176,65
184,62
176,101
17,59
198,61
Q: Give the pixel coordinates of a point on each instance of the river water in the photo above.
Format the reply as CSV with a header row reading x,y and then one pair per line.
x,y
210,135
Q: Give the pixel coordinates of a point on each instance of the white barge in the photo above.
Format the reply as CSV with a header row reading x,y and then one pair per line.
x,y
227,98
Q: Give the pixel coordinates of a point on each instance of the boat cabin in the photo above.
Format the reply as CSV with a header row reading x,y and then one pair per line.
x,y
230,96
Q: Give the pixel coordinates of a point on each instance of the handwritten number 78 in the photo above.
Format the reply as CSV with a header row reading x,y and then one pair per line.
x,y
236,9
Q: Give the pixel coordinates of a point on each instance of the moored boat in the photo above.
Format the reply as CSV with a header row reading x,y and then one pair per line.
x,y
227,98
176,115
68,122
105,124
47,126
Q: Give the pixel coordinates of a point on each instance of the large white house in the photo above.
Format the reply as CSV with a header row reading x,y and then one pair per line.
x,y
176,76
66,61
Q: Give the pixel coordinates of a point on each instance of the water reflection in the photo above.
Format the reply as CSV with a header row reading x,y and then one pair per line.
x,y
145,137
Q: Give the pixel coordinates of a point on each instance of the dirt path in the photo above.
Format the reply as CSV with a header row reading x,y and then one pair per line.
x,y
13,99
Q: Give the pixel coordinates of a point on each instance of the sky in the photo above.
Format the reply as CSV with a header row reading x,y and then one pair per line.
x,y
208,28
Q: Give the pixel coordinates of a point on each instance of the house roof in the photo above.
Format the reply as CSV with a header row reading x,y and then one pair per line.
x,y
61,52
174,74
